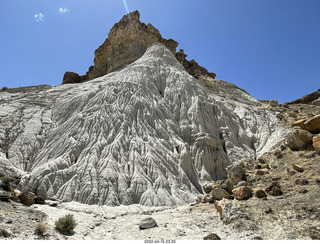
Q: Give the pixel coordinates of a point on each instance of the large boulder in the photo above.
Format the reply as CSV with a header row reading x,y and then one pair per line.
x,y
299,139
313,124
219,194
242,193
236,173
27,198
316,142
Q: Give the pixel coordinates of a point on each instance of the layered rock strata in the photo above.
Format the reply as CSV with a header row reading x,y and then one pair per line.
x,y
127,41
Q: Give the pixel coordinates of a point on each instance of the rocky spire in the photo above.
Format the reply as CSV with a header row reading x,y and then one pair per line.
x,y
127,41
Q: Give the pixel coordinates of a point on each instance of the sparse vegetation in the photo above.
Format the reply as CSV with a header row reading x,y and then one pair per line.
x,y
4,88
40,229
66,224
6,182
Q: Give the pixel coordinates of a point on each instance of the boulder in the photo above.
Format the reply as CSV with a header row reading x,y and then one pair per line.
x,y
242,193
260,194
39,200
207,188
299,139
227,186
236,173
313,124
316,142
27,198
147,223
219,194
274,189
212,236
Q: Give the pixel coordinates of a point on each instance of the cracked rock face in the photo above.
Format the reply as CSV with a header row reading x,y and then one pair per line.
x,y
149,134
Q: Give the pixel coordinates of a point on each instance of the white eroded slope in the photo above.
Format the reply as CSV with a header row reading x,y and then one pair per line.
x,y
148,134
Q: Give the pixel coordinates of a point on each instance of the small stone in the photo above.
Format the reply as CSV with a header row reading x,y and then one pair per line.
x,y
9,221
242,193
212,236
274,189
260,194
269,211
297,168
147,223
257,238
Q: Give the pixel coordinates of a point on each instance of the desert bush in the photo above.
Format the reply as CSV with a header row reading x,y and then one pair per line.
x,y
4,88
6,182
66,224
40,229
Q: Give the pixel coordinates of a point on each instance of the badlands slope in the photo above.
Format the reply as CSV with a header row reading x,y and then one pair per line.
x,y
147,134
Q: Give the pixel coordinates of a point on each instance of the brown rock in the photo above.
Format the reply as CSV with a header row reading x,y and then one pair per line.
x,y
212,236
127,41
219,194
316,142
236,173
313,124
39,200
297,168
242,193
299,123
260,194
299,140
274,189
27,198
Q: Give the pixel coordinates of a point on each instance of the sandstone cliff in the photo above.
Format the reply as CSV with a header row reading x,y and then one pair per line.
x,y
127,41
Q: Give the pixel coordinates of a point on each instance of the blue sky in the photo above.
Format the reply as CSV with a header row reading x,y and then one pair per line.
x,y
270,48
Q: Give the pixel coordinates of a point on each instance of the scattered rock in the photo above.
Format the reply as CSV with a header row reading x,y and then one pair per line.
x,y
297,168
302,182
236,173
299,140
316,142
314,233
269,210
39,200
219,194
313,124
274,189
257,238
147,223
207,188
207,198
227,186
27,198
242,193
212,236
260,194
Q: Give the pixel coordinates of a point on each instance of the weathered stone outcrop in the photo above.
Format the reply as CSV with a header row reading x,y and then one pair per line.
x,y
312,98
127,41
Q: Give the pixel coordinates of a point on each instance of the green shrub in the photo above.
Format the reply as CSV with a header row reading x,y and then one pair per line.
x,y
40,229
6,182
66,224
